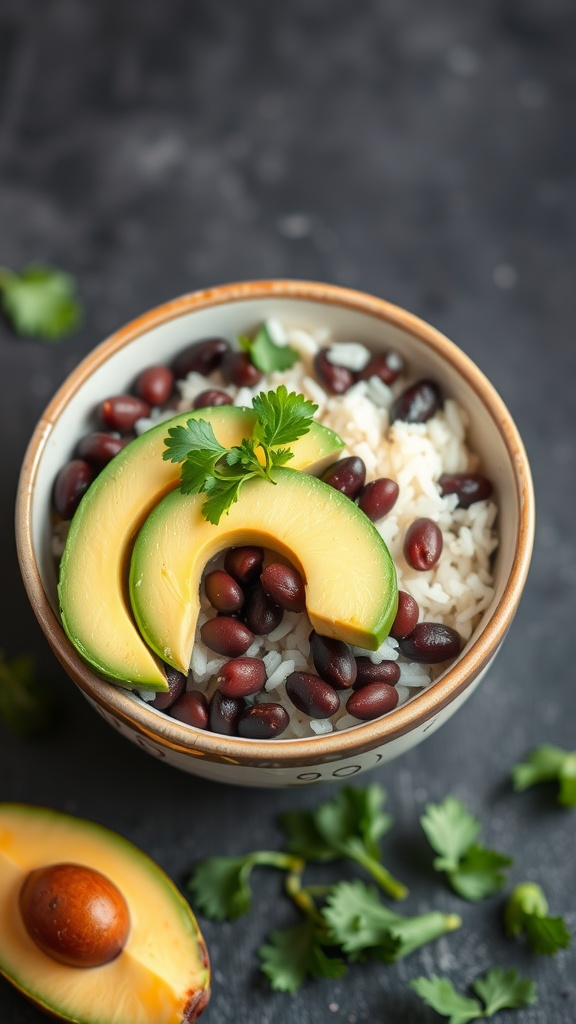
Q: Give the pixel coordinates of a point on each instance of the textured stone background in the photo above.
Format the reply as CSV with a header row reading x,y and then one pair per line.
x,y
421,151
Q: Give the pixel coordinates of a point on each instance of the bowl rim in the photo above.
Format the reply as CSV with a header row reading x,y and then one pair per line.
x,y
298,751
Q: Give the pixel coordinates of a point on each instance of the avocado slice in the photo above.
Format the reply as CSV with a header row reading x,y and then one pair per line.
x,y
162,975
350,578
94,602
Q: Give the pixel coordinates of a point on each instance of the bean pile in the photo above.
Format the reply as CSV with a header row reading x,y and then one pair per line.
x,y
251,593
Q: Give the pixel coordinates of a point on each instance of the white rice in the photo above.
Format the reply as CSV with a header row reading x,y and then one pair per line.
x,y
455,592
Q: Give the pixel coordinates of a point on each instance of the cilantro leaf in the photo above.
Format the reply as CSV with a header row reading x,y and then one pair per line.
x,y
504,990
358,922
473,871
548,763
25,706
197,472
266,354
293,954
497,989
479,873
196,436
526,911
283,417
349,825
440,994
221,496
221,885
451,830
40,301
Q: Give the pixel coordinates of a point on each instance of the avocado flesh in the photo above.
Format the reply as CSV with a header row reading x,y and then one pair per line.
x,y
351,589
163,969
94,602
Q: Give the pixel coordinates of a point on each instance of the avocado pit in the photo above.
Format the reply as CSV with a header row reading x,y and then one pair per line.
x,y
75,914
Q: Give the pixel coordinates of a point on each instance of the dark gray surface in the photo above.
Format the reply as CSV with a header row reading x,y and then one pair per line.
x,y
423,152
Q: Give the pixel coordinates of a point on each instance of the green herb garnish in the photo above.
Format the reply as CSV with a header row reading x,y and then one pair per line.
x,y
350,825
473,871
340,923
24,704
526,913
209,468
498,990
548,764
266,354
40,301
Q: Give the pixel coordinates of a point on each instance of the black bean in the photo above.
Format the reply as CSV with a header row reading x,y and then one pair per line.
x,y
191,708
285,586
100,448
227,636
237,368
312,695
211,397
121,412
347,475
417,403
469,487
200,357
155,384
241,677
224,713
367,672
176,683
387,367
263,721
244,564
378,498
336,379
406,616
423,544
223,592
70,485
431,643
261,614
333,661
372,700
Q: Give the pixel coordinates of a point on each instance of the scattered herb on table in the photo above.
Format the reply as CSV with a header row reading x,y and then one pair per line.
x,y
209,468
348,826
548,763
24,704
341,923
473,871
526,913
265,352
498,990
40,301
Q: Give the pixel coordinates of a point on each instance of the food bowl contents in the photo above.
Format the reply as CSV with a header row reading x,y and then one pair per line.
x,y
102,934
328,599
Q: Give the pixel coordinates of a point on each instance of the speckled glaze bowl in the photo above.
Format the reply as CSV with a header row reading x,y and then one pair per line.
x,y
228,311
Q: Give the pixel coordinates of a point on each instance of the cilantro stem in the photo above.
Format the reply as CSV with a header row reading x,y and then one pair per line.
x,y
273,859
302,897
396,889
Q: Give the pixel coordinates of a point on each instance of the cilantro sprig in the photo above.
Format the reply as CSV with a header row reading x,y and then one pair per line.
x,y
548,763
348,826
472,870
526,913
24,704
340,923
497,989
40,301
220,473
266,354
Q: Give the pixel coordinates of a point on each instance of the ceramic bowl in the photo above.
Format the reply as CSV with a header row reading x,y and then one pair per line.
x,y
229,311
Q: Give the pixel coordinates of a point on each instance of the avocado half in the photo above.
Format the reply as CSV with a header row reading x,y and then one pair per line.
x,y
162,976
350,578
94,603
